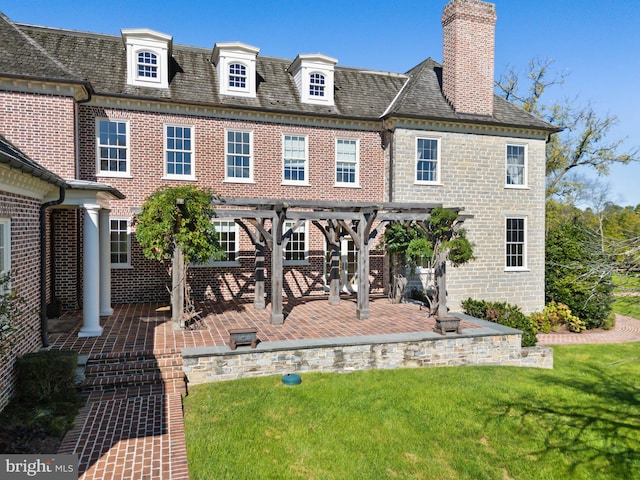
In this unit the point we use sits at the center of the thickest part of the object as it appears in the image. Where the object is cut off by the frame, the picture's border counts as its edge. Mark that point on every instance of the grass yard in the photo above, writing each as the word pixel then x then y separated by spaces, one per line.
pixel 578 421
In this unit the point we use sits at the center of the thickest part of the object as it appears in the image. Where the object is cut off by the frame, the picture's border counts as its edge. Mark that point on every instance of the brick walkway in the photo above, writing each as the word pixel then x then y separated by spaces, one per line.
pixel 132 426
pixel 627 329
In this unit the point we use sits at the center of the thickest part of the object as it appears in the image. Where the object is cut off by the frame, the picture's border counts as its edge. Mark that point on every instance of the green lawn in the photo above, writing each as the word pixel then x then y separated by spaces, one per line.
pixel 580 420
pixel 627 301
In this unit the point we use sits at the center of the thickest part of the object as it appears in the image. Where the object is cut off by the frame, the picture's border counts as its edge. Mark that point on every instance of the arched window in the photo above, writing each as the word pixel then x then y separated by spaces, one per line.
pixel 147 65
pixel 237 75
pixel 316 85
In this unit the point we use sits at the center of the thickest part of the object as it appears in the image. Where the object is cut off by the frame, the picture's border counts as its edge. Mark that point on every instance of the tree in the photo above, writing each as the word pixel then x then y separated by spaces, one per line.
pixel 578 273
pixel 431 243
pixel 584 143
pixel 175 226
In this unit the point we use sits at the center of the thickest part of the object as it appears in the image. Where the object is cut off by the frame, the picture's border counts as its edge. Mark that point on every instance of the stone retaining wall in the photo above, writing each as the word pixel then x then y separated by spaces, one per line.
pixel 210 364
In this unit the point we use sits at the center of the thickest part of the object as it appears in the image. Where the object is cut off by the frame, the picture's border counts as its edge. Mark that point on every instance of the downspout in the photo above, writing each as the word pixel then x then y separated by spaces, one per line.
pixel 43 264
pixel 389 144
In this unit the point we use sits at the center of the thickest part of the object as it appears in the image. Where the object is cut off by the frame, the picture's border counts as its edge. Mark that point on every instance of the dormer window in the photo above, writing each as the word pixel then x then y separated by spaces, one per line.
pixel 147 65
pixel 236 68
pixel 313 75
pixel 148 55
pixel 316 85
pixel 237 76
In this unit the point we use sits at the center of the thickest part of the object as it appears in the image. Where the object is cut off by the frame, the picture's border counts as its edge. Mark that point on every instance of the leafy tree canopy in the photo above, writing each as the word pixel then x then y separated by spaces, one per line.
pixel 165 223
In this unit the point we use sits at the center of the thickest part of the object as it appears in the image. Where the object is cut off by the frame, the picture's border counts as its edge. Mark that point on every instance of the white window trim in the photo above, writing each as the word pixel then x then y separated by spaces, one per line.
pixel 174 176
pixel 304 182
pixel 287 225
pixel 323 85
pixel 247 84
pixel 128 262
pixel 525 185
pixel 438 163
pixel 138 40
pixel 142 78
pixel 226 263
pixel 355 184
pixel 524 267
pixel 107 173
pixel 228 179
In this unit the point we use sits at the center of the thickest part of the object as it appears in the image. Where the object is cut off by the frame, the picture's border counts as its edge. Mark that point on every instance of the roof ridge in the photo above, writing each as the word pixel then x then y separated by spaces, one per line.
pixel 42 50
pixel 411 74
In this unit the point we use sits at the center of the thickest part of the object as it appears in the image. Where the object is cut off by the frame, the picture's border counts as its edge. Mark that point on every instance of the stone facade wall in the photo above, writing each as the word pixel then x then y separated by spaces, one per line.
pixel 23 213
pixel 216 364
pixel 472 176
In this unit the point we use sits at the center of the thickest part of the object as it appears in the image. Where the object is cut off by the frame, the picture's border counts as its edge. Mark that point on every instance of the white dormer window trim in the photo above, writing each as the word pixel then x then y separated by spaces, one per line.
pixel 147 63
pixel 314 78
pixel 235 65
pixel 148 54
pixel 317 85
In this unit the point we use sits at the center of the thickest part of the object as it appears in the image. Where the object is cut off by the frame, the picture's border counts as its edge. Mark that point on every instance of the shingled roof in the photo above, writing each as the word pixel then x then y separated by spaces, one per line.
pixel 359 94
pixel 23 57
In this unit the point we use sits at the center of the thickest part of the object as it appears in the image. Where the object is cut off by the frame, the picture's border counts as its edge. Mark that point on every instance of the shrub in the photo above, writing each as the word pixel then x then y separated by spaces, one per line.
pixel 555 315
pixel 577 273
pixel 609 322
pixel 46 377
pixel 504 314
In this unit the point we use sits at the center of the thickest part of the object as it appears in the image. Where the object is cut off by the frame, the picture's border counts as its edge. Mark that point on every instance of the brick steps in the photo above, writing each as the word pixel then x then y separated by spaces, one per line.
pixel 132 373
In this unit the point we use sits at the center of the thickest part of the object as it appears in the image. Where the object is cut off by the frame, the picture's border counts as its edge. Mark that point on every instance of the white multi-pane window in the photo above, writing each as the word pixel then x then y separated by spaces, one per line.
pixel 427 160
pixel 316 85
pixel 516 174
pixel 237 76
pixel 346 162
pixel 120 239
pixel 112 147
pixel 239 164
pixel 516 245
pixel 295 159
pixel 179 151
pixel 228 239
pixel 147 65
pixel 295 251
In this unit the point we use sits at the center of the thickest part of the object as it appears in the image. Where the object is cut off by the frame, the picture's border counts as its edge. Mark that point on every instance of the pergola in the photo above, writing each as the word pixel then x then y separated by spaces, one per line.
pixel 333 219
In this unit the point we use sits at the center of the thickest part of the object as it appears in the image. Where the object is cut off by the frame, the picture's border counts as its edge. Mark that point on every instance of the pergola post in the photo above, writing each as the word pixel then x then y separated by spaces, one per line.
pixel 277 255
pixel 331 234
pixel 258 301
pixel 362 309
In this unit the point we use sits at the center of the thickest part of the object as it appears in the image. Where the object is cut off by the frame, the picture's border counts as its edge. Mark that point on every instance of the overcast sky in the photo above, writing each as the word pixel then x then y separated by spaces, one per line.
pixel 596 43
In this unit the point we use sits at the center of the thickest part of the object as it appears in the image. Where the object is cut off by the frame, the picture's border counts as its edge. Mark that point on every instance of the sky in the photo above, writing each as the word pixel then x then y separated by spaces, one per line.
pixel 594 43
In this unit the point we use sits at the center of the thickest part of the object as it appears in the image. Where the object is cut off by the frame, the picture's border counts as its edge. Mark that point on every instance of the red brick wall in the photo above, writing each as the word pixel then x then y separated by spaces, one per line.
pixel 66 258
pixel 43 127
pixel 25 267
pixel 468 55
pixel 147 280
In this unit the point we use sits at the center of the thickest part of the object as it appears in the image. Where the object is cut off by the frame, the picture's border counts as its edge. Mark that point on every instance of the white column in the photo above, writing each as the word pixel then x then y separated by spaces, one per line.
pixel 105 264
pixel 91 275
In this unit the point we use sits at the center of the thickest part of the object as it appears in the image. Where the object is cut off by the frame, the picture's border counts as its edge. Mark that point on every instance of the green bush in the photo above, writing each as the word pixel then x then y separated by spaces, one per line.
pixel 609 322
pixel 504 314
pixel 46 377
pixel 577 274
pixel 555 315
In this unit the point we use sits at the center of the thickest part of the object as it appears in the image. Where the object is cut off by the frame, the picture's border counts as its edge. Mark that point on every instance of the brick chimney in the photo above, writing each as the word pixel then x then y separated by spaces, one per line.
pixel 468 51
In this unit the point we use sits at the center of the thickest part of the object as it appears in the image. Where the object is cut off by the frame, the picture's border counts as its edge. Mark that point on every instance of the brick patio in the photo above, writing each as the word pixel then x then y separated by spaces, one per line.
pixel 131 425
